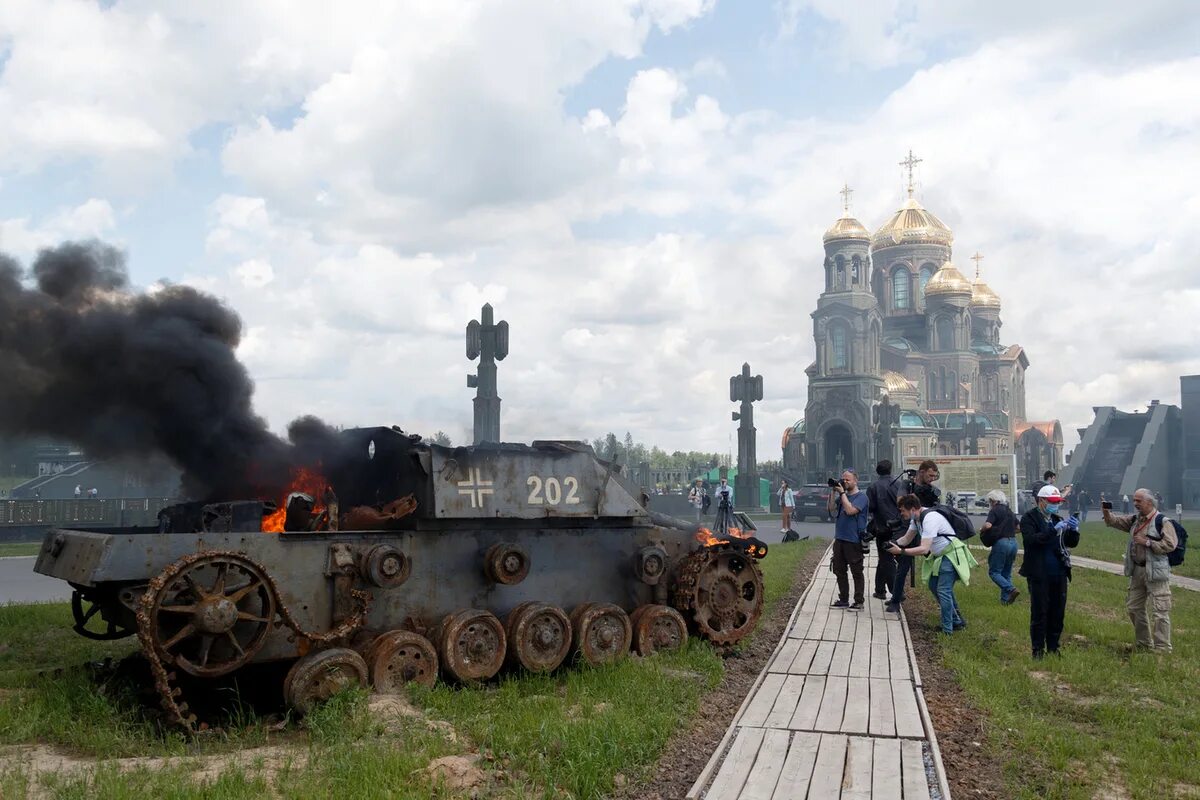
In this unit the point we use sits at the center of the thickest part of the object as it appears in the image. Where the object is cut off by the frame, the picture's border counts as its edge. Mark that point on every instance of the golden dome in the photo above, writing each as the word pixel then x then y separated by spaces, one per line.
pixel 912 224
pixel 846 227
pixel 947 281
pixel 895 383
pixel 982 295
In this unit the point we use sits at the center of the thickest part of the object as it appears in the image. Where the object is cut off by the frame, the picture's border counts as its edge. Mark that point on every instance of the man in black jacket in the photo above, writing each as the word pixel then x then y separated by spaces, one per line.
pixel 922 486
pixel 1047 567
pixel 885 524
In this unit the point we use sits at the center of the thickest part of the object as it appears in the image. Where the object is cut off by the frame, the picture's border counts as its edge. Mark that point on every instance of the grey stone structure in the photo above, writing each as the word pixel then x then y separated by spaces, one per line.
pixel 898 320
pixel 488 342
pixel 1121 452
pixel 746 389
pixel 1189 391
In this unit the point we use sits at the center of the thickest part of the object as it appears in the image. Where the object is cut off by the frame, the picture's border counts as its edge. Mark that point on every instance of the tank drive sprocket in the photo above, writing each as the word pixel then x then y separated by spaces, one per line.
pixel 721 589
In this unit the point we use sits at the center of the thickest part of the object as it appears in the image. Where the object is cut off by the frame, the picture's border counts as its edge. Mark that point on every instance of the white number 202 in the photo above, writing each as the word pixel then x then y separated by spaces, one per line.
pixel 549 492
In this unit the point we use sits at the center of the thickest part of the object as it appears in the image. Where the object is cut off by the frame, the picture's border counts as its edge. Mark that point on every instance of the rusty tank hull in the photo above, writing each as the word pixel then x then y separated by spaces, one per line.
pixel 486 557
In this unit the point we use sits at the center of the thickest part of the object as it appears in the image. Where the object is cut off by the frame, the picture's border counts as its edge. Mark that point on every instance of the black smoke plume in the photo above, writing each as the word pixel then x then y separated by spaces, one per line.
pixel 84 357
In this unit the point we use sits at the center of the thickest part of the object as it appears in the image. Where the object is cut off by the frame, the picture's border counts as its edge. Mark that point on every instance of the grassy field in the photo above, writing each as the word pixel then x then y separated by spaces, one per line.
pixel 19 548
pixel 1099 721
pixel 575 734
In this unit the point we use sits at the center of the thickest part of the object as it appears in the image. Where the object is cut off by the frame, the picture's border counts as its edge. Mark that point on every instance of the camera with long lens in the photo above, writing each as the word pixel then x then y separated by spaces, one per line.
pixel 834 483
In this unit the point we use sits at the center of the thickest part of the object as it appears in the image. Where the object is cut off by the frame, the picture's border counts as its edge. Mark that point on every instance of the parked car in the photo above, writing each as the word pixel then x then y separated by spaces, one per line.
pixel 812 500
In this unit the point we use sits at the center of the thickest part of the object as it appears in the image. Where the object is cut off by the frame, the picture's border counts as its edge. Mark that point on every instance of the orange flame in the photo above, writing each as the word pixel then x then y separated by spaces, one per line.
pixel 303 480
pixel 705 537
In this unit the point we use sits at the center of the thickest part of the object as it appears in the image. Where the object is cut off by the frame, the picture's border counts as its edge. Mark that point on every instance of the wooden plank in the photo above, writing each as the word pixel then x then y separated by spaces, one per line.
pixel 771 754
pixel 885 770
pixel 798 767
pixel 858 705
pixel 820 662
pixel 849 626
pixel 883 715
pixel 879 633
pixel 912 769
pixel 833 625
pixel 856 782
pixel 908 716
pixel 803 661
pixel 785 655
pixel 737 765
pixel 818 621
pixel 827 771
pixel 833 705
pixel 805 718
pixel 898 657
pixel 840 663
pixel 760 706
pixel 879 661
pixel 860 658
pixel 785 703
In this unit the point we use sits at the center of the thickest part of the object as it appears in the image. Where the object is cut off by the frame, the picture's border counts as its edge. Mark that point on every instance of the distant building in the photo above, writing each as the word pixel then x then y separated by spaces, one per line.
pixel 1123 451
pixel 898 320
pixel 1189 386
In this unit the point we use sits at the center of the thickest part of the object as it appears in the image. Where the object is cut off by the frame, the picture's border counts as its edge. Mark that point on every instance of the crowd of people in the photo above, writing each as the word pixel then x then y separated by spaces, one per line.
pixel 904 519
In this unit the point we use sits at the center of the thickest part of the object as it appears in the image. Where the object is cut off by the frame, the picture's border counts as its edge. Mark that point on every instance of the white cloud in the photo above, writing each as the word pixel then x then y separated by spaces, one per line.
pixel 22 237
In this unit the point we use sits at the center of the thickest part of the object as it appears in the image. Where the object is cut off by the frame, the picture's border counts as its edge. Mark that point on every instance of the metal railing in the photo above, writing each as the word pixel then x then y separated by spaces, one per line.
pixel 100 513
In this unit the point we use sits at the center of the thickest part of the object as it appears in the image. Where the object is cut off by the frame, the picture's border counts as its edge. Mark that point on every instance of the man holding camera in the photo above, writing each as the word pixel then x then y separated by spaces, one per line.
pixel 885 524
pixel 921 484
pixel 850 505
pixel 948 560
pixel 1147 568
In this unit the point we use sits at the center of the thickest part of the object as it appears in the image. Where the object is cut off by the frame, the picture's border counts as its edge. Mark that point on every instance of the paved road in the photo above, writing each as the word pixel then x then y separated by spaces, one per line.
pixel 20 584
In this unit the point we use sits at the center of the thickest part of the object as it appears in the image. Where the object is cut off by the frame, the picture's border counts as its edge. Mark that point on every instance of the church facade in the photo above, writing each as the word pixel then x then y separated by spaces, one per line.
pixel 909 357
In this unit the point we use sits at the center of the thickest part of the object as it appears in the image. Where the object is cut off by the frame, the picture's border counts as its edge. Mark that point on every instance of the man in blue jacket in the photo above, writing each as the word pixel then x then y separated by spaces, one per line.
pixel 1047 567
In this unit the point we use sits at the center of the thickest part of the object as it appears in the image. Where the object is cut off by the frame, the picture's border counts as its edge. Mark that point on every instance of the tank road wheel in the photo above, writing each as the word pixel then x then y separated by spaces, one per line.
pixel 471 645
pixel 723 589
pixel 506 563
pixel 657 628
pixel 108 608
pixel 319 676
pixel 401 657
pixel 210 613
pixel 602 632
pixel 539 636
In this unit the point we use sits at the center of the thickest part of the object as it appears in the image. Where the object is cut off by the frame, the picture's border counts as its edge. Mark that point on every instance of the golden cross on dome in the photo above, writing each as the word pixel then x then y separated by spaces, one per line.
pixel 977 258
pixel 845 192
pixel 910 162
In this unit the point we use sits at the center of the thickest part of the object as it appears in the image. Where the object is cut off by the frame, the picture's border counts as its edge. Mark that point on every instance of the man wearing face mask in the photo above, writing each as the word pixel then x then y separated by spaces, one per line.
pixel 1047 567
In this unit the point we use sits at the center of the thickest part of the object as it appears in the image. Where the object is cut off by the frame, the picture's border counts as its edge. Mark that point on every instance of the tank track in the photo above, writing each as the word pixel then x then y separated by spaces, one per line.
pixel 171 697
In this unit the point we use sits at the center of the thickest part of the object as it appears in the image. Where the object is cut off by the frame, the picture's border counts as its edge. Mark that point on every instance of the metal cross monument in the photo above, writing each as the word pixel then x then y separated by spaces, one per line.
pixel 489 343
pixel 746 389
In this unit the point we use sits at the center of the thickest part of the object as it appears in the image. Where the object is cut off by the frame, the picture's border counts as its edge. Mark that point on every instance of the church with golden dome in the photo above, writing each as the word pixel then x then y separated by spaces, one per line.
pixel 909 358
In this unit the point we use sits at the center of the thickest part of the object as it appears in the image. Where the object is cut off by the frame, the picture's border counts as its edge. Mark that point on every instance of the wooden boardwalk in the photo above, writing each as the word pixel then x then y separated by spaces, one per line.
pixel 837 713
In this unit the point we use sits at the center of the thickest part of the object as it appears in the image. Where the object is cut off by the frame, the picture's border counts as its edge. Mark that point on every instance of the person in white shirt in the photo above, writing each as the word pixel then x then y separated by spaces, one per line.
pixel 787 502
pixel 696 498
pixel 936 538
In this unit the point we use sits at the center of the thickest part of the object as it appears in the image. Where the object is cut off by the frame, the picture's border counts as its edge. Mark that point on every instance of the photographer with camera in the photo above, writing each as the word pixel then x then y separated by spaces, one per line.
pixel 948 559
pixel 885 524
pixel 849 527
pixel 920 483
pixel 1148 568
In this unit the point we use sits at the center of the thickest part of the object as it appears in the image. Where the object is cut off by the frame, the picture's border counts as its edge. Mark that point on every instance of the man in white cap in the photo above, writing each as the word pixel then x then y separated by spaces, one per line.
pixel 1047 567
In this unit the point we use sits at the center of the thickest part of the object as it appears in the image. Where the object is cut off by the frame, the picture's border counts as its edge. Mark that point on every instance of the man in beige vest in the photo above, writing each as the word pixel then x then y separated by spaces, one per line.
pixel 1147 568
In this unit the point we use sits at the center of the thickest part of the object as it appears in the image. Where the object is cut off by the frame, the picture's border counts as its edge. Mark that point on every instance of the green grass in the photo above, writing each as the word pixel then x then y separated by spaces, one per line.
pixel 1097 540
pixel 1098 716
pixel 19 548
pixel 567 735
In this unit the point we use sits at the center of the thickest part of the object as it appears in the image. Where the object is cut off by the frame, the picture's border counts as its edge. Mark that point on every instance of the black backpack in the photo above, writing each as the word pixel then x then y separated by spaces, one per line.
pixel 1175 557
pixel 963 527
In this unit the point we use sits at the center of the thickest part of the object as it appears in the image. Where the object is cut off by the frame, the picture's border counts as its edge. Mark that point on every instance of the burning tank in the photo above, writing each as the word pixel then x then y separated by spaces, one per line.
pixel 402 561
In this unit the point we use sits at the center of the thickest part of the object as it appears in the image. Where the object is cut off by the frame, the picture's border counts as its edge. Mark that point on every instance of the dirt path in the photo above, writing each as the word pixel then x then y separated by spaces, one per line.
pixel 973 771
pixel 689 749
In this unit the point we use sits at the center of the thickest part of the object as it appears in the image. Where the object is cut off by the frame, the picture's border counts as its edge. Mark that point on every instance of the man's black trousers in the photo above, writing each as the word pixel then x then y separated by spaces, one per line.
pixel 848 556
pixel 1047 606
pixel 885 570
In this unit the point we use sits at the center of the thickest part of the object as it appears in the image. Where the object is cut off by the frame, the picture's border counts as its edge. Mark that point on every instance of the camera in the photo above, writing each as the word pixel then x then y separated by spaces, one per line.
pixel 1106 505
pixel 833 484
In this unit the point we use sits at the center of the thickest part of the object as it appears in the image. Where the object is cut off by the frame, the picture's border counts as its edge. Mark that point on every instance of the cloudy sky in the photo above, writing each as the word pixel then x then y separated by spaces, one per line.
pixel 638 187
